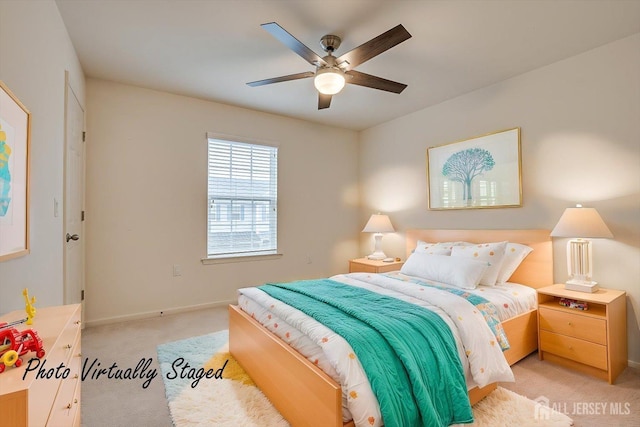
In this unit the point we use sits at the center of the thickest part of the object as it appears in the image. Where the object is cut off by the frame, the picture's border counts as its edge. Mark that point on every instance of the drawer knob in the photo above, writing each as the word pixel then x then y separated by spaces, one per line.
pixel 75 377
pixel 68 346
pixel 69 406
pixel 569 323
pixel 77 322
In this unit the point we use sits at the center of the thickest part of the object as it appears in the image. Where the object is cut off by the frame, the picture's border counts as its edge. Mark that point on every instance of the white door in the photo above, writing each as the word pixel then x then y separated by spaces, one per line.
pixel 73 238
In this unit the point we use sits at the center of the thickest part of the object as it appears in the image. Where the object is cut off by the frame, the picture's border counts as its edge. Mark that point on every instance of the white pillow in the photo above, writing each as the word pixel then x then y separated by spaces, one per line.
pixel 442 248
pixel 460 272
pixel 492 254
pixel 513 256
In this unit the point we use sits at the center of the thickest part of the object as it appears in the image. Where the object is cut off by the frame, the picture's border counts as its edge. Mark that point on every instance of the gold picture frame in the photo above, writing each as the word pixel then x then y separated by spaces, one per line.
pixel 477 173
pixel 15 139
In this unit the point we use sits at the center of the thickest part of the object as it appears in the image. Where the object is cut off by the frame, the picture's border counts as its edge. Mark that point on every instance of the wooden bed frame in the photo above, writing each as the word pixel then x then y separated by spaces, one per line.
pixel 305 395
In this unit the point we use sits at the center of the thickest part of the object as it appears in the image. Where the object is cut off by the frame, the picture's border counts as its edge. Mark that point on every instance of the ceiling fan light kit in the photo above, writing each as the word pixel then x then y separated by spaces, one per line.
pixel 333 73
pixel 329 81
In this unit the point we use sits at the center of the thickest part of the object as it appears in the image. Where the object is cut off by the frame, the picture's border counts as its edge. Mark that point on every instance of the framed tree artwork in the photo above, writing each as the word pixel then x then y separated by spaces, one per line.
pixel 481 172
pixel 14 175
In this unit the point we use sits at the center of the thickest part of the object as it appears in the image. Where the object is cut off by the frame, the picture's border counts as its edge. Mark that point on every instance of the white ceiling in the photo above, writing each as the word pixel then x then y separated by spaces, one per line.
pixel 209 49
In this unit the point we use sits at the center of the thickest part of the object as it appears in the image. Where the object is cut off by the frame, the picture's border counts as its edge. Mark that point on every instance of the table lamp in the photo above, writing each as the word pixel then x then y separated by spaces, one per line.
pixel 586 223
pixel 378 224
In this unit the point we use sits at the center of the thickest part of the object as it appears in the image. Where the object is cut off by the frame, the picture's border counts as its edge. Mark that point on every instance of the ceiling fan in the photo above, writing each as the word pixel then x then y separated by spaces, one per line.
pixel 333 73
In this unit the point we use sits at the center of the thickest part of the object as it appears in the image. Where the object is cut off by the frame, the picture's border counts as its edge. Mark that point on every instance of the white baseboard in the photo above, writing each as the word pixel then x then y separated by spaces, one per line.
pixel 156 313
pixel 634 365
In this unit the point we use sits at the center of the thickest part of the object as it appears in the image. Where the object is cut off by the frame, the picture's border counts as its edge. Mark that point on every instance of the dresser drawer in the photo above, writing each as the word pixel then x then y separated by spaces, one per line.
pixel 573 325
pixel 574 349
pixel 67 402
pixel 63 348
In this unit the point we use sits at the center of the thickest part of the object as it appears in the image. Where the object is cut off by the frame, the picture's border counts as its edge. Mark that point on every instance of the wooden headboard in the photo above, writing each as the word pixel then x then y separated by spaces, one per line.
pixel 537 268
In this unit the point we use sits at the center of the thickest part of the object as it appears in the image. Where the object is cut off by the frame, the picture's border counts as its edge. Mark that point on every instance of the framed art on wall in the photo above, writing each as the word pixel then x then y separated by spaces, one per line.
pixel 15 122
pixel 481 172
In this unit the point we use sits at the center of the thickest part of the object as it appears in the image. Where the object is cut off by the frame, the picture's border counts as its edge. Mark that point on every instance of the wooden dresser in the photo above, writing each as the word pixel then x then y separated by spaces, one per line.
pixel 593 341
pixel 44 401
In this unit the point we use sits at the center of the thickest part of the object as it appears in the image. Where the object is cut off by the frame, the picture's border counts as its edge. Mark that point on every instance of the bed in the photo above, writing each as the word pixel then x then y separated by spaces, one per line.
pixel 305 395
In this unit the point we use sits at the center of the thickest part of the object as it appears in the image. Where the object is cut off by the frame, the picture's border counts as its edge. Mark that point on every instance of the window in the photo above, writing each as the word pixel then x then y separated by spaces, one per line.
pixel 242 193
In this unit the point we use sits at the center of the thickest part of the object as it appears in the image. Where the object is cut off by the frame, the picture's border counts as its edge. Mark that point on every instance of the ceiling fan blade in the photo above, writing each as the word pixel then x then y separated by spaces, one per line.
pixel 282 79
pixel 362 79
pixel 373 47
pixel 324 101
pixel 293 43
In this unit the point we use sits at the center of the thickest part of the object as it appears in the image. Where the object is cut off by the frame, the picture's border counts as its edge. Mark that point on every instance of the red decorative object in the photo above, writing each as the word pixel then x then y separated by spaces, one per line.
pixel 15 343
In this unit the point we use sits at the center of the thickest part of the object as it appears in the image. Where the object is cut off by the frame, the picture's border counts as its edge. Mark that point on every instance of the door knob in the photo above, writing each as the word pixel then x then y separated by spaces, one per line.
pixel 74 237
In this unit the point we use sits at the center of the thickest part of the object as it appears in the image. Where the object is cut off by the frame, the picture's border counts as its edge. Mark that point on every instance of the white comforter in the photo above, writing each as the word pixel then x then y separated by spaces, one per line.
pixel 478 349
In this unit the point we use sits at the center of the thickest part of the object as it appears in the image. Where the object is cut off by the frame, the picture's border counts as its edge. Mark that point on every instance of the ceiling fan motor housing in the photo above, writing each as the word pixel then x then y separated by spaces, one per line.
pixel 330 43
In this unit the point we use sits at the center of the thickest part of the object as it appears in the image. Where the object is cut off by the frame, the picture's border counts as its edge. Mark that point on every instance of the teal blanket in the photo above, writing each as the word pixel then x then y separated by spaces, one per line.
pixel 408 352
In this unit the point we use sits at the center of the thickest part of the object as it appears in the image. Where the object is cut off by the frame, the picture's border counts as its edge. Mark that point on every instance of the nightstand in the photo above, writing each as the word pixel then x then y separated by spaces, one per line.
pixel 592 341
pixel 366 265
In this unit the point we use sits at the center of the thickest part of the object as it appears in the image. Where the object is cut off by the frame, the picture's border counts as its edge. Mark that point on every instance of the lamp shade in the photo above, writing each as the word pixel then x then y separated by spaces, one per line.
pixel 378 224
pixel 581 222
pixel 329 81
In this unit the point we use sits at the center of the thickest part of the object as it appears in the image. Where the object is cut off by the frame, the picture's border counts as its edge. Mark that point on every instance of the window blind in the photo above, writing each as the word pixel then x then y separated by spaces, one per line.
pixel 242 199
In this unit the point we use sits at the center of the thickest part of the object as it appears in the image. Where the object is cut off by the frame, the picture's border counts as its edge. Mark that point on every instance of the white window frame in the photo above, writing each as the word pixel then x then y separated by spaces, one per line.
pixel 223 217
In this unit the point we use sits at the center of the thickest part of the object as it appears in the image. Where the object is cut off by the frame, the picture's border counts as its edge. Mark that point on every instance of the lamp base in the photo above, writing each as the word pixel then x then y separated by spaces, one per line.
pixel 581 286
pixel 378 255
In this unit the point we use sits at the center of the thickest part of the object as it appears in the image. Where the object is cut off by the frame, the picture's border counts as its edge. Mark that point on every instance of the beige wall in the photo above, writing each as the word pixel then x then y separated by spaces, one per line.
pixel 580 143
pixel 146 201
pixel 35 51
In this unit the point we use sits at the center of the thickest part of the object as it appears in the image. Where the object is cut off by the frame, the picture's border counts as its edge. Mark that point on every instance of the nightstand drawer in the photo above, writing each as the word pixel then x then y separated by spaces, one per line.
pixel 362 268
pixel 573 325
pixel 574 349
pixel 364 265
pixel 389 267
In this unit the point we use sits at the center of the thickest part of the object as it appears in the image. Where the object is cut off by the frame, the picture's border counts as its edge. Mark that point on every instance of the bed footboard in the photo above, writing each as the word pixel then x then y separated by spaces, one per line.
pixel 301 391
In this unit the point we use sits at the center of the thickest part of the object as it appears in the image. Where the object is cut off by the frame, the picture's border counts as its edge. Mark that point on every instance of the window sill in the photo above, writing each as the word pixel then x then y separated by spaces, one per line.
pixel 242 258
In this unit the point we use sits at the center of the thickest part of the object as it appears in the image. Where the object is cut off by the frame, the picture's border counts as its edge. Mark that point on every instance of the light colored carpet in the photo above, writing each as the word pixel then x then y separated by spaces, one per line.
pixel 230 398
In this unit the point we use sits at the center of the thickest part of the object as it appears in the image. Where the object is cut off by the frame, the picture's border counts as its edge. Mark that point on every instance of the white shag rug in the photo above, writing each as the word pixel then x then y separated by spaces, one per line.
pixel 506 408
pixel 230 401
pixel 233 400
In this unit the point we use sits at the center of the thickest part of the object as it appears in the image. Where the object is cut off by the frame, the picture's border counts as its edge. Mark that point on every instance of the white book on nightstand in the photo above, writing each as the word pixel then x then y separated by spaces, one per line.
pixel 581 286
